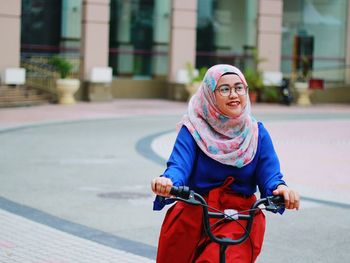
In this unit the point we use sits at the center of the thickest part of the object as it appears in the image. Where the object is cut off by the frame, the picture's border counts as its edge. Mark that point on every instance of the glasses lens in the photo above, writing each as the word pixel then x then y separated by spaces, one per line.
pixel 240 90
pixel 224 90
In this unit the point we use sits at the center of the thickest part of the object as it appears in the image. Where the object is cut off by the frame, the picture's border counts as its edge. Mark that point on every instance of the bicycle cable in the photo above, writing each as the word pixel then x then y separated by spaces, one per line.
pixel 234 219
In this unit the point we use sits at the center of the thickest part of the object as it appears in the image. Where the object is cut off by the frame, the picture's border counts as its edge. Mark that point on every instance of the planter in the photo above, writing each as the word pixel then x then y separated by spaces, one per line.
pixel 303 91
pixel 253 96
pixel 66 89
pixel 192 89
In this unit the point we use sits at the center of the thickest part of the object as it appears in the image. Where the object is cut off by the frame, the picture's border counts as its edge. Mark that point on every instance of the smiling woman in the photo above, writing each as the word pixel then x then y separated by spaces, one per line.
pixel 218 139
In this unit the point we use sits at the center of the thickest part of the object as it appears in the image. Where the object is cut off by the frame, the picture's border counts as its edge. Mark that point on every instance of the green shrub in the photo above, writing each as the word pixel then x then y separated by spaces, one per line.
pixel 192 77
pixel 61 65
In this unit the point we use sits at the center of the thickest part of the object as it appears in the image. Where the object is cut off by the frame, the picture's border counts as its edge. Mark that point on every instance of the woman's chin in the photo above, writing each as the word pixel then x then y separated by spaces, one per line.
pixel 234 112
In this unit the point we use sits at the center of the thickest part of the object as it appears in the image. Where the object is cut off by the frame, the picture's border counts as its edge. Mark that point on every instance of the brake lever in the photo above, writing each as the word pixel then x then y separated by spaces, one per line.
pixel 274 203
pixel 190 199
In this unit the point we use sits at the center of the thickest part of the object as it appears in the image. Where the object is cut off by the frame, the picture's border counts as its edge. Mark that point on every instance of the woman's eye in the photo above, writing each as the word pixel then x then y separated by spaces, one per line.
pixel 240 88
pixel 225 89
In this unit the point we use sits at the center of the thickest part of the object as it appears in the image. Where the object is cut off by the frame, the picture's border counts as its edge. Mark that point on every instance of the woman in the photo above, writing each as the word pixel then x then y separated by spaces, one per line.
pixel 221 152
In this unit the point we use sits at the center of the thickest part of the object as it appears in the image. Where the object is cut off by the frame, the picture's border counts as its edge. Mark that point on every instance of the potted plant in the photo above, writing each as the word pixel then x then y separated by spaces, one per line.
pixel 301 84
pixel 304 73
pixel 66 87
pixel 270 94
pixel 195 78
pixel 255 83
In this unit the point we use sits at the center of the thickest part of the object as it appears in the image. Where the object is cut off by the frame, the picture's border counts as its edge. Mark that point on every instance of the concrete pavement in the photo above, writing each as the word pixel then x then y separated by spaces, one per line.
pixel 80 171
pixel 24 240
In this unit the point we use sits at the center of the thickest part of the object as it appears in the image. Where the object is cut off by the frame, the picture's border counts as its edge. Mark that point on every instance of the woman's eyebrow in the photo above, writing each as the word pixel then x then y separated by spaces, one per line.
pixel 228 84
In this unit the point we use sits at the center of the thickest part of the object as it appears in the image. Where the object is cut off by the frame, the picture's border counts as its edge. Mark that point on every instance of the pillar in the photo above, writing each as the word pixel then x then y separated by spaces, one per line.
pixel 10 32
pixel 95 51
pixel 95 36
pixel 182 48
pixel 269 35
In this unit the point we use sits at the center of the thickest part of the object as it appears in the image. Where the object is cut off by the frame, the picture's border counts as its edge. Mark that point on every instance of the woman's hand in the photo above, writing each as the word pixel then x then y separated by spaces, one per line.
pixel 291 197
pixel 161 186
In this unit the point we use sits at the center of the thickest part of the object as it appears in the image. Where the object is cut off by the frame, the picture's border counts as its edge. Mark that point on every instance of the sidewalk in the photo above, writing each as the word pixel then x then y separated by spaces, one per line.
pixel 91 180
pixel 22 240
pixel 12 117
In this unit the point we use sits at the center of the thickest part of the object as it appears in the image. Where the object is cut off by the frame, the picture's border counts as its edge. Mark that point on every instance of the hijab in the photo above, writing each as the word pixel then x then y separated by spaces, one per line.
pixel 231 141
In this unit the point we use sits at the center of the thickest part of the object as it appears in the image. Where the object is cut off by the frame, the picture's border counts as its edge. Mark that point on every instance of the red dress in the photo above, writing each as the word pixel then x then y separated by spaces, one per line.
pixel 182 238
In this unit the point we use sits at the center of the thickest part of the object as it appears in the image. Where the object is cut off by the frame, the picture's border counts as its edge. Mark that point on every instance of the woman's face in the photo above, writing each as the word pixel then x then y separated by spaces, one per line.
pixel 228 101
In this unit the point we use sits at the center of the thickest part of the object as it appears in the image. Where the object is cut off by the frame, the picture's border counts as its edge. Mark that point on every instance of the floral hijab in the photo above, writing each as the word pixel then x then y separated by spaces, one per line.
pixel 231 141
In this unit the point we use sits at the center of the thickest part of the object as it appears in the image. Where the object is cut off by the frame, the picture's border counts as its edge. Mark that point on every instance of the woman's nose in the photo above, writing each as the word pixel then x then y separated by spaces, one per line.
pixel 233 93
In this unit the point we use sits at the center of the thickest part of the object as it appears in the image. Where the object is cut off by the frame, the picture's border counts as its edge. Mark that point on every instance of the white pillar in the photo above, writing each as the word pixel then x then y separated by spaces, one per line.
pixel 95 36
pixel 269 38
pixel 10 32
pixel 182 36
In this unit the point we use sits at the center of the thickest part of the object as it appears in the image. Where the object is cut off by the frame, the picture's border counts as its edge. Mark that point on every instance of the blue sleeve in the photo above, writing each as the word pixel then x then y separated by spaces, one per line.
pixel 180 163
pixel 268 171
pixel 182 158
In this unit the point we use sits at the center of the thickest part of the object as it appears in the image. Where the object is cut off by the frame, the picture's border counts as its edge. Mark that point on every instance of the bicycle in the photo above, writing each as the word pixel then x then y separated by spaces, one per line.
pixel 184 194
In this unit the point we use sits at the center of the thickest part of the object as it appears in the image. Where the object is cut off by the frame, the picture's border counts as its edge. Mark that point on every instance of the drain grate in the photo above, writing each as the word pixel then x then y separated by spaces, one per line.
pixel 124 195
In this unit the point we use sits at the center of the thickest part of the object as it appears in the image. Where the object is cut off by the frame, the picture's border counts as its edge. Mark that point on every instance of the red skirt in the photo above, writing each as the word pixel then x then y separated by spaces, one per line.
pixel 182 238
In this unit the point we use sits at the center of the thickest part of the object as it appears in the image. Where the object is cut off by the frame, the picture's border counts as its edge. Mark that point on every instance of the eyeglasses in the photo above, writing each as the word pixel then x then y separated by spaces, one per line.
pixel 226 90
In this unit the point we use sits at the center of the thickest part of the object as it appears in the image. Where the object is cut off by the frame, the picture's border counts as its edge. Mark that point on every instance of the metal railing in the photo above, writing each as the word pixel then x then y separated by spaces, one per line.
pixel 41 75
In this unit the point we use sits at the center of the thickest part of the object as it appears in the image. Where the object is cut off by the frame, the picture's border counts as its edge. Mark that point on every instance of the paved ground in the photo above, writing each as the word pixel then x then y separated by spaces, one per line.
pixel 75 181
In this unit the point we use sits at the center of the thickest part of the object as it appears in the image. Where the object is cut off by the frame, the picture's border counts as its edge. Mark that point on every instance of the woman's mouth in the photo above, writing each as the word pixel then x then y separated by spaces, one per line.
pixel 233 103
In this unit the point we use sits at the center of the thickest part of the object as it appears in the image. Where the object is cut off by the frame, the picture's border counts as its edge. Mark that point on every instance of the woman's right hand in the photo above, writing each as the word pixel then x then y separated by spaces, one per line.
pixel 161 186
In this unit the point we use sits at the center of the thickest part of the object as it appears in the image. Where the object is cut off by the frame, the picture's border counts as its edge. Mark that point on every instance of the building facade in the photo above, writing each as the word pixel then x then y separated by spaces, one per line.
pixel 155 39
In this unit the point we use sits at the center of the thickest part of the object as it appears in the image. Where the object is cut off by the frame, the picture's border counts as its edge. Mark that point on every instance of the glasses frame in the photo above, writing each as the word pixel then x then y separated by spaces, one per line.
pixel 233 88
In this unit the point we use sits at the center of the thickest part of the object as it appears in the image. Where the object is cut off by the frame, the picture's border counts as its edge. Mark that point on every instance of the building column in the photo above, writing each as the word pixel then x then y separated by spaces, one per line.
pixel 10 30
pixel 95 36
pixel 182 49
pixel 269 35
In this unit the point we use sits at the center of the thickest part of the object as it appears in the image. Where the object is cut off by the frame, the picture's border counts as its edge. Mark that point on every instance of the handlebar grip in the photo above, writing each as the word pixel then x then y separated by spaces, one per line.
pixel 180 191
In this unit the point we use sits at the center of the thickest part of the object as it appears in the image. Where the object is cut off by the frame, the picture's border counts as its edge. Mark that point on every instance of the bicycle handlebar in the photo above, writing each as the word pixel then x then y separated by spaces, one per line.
pixel 271 203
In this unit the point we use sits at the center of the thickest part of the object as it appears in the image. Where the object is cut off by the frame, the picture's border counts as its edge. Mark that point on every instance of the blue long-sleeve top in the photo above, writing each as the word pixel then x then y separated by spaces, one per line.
pixel 189 165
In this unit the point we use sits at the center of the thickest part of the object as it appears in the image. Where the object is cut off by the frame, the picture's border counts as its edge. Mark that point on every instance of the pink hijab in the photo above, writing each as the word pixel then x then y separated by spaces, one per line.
pixel 231 141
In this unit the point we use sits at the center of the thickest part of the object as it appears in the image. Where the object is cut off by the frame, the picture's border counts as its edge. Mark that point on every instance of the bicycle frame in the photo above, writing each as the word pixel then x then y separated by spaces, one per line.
pixel 183 193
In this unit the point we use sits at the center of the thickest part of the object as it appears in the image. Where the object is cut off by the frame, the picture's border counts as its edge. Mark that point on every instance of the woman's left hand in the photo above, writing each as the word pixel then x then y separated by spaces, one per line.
pixel 291 197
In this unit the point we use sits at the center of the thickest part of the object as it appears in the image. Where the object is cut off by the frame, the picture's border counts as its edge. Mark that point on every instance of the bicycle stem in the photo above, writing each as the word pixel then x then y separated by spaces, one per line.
pixel 224 241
